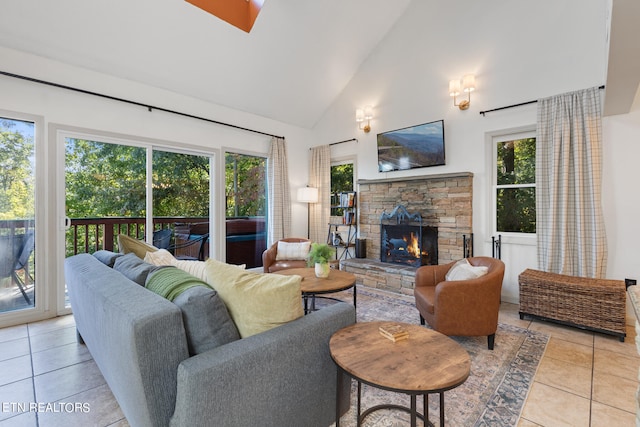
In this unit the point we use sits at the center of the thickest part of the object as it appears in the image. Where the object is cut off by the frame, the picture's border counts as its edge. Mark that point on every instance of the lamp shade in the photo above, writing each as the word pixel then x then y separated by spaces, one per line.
pixel 359 115
pixel 454 87
pixel 469 83
pixel 368 112
pixel 308 195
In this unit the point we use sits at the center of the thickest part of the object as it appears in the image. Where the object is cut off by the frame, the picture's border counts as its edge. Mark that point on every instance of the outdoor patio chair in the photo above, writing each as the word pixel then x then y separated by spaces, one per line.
pixel 14 255
pixel 189 247
pixel 162 238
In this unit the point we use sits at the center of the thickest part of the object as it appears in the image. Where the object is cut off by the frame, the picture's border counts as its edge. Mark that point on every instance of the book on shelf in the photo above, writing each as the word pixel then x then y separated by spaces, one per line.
pixel 348 217
pixel 394 332
pixel 346 200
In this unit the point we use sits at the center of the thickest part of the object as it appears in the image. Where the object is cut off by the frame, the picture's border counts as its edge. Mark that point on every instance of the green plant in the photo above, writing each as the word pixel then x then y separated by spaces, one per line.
pixel 320 253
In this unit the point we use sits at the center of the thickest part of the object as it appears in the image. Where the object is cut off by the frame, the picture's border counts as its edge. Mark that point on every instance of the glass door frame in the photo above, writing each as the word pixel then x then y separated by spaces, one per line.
pixel 59 134
pixel 43 241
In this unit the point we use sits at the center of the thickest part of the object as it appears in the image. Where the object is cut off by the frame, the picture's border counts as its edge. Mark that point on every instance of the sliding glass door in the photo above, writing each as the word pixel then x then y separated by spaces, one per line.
pixel 112 186
pixel 246 205
pixel 17 215
pixel 181 203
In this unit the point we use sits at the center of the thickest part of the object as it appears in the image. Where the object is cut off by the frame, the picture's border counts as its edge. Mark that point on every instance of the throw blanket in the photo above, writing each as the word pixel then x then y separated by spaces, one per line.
pixel 169 282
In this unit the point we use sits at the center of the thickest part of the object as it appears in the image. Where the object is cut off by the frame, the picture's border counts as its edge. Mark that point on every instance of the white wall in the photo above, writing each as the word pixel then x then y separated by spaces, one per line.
pixel 621 196
pixel 519 51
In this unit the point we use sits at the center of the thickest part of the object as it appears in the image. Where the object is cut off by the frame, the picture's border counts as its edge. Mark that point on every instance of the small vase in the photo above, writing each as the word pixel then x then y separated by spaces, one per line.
pixel 322 270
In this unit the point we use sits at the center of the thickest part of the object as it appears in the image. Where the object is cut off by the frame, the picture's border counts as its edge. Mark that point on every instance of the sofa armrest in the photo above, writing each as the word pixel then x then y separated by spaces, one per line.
pixel 136 338
pixel 281 377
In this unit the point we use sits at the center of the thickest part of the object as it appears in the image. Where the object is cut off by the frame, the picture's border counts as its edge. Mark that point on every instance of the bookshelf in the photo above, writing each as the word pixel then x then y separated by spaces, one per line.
pixel 343 226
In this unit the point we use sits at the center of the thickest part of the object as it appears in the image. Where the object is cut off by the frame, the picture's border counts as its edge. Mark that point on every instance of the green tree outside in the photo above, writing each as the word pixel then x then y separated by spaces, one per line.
pixel 516 168
pixel 245 185
pixel 341 181
pixel 17 162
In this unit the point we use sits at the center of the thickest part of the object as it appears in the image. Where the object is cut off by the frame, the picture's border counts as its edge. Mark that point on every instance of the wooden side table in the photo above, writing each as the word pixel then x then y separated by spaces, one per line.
pixel 311 285
pixel 426 362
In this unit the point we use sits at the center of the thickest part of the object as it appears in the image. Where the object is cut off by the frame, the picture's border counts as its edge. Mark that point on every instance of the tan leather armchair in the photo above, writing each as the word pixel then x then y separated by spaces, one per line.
pixel 463 307
pixel 271 264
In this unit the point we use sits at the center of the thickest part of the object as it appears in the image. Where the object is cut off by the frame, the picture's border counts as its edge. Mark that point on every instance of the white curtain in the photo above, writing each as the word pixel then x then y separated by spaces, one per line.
pixel 279 197
pixel 320 177
pixel 570 226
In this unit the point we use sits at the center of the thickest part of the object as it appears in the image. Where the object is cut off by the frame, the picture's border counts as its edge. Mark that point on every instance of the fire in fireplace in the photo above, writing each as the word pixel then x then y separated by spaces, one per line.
pixel 404 240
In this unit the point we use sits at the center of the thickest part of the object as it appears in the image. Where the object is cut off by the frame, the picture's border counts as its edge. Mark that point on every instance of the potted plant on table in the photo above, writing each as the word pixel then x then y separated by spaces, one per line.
pixel 319 256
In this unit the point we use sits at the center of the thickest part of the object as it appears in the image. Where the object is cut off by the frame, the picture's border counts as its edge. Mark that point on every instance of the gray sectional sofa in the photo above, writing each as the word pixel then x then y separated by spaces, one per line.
pixel 281 377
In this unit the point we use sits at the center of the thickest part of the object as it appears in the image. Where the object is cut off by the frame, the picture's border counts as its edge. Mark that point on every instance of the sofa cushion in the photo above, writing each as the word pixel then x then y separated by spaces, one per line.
pixel 134 268
pixel 207 322
pixel 128 244
pixel 108 258
pixel 292 250
pixel 462 270
pixel 256 302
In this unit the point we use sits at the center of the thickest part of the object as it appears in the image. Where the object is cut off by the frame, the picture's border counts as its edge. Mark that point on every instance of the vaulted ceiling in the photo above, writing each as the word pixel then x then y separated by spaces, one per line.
pixel 298 57
pixel 295 61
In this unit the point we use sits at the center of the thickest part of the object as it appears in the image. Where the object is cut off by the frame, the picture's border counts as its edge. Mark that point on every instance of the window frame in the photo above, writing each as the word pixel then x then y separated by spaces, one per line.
pixel 43 242
pixel 57 134
pixel 492 139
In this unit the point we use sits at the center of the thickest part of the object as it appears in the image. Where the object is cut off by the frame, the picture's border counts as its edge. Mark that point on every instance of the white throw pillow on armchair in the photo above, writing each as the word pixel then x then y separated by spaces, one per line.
pixel 462 270
pixel 292 250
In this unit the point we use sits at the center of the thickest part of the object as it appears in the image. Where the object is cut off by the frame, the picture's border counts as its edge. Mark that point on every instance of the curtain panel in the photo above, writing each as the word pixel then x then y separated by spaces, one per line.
pixel 320 177
pixel 279 197
pixel 570 224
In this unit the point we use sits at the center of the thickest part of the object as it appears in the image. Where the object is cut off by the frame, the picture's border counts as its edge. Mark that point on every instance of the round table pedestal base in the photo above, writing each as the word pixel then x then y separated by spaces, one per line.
pixel 412 410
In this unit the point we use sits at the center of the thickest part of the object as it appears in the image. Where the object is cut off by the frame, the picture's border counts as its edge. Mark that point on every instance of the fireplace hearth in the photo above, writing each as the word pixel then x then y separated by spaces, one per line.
pixel 405 240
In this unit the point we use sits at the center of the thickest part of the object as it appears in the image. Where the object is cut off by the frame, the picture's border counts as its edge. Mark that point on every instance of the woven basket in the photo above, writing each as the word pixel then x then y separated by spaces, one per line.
pixel 595 304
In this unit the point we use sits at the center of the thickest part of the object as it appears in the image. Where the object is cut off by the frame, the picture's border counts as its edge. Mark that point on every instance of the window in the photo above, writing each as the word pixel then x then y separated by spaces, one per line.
pixel 515 183
pixel 341 181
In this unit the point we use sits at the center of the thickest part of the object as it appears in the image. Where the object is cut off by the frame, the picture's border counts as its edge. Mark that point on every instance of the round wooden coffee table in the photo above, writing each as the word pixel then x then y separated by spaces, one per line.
pixel 426 362
pixel 311 285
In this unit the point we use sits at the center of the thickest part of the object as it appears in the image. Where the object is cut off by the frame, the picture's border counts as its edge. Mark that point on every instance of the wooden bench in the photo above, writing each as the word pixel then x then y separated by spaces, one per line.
pixel 587 303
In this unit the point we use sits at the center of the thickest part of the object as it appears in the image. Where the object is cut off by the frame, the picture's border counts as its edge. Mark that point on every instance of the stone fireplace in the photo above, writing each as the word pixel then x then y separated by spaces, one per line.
pixel 444 202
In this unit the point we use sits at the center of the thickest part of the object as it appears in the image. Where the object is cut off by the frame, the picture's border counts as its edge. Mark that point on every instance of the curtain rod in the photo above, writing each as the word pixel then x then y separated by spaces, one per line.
pixel 128 101
pixel 346 140
pixel 340 142
pixel 517 105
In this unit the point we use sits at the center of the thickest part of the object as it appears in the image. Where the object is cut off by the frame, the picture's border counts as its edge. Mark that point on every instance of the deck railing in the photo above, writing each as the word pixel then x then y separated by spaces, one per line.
pixel 88 235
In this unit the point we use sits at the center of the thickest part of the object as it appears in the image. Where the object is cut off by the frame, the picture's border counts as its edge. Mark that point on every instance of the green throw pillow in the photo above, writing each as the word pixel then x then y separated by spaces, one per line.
pixel 206 320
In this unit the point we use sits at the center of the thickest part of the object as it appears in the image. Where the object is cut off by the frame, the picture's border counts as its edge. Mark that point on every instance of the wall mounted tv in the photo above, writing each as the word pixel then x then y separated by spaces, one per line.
pixel 412 147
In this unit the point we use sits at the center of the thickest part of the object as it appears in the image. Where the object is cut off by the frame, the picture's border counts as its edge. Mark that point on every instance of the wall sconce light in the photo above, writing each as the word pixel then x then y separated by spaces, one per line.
pixel 468 85
pixel 362 115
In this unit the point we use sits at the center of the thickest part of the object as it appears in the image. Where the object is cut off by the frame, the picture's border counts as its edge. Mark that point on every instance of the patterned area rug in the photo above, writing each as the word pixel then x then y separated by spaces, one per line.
pixel 494 393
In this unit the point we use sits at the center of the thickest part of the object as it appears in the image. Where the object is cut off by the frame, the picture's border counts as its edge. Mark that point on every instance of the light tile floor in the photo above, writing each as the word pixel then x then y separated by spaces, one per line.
pixel 584 379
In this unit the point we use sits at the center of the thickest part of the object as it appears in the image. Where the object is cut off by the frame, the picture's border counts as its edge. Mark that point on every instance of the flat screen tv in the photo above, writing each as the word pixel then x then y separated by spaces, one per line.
pixel 412 147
